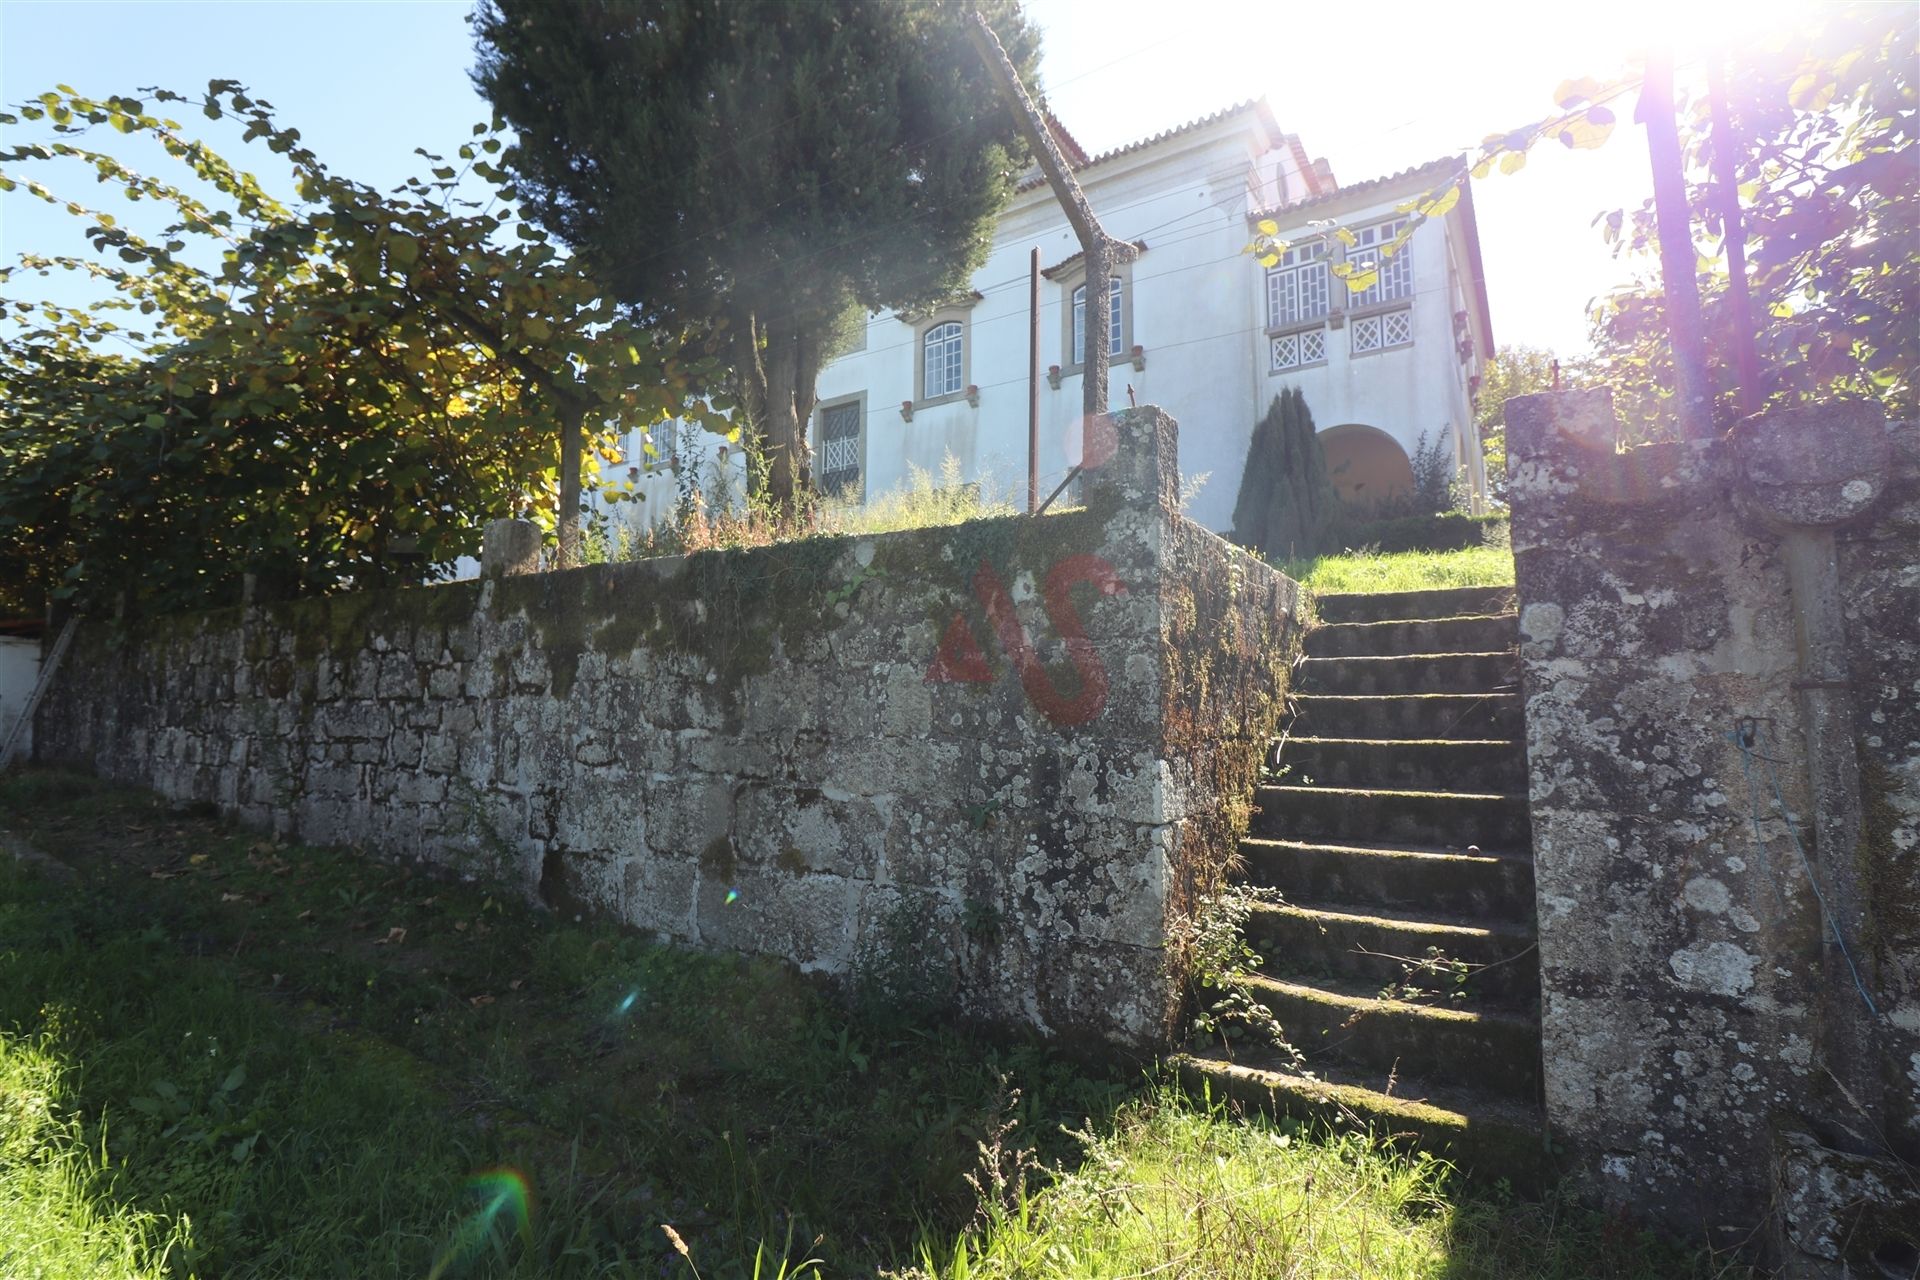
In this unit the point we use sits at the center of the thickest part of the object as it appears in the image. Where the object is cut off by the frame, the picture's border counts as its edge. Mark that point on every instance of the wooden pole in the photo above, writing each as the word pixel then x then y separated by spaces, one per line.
pixel 567 517
pixel 1033 381
pixel 1733 231
pixel 1101 250
pixel 1679 279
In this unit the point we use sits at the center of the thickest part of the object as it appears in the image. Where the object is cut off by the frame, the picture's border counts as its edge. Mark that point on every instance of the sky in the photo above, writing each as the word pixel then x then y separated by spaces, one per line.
pixel 1374 89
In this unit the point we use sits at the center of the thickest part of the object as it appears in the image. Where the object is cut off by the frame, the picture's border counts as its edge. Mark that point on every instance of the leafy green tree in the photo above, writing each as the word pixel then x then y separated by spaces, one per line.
pixel 750 170
pixel 306 392
pixel 1823 133
pixel 1518 369
pixel 1287 506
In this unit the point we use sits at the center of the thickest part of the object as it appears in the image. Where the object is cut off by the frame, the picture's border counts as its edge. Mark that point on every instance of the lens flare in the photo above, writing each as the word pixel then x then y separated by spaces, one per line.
pixel 503 1195
pixel 626 1004
pixel 733 896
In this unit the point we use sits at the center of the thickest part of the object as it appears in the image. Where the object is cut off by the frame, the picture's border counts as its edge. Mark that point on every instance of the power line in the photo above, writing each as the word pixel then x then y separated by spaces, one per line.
pixel 1242 332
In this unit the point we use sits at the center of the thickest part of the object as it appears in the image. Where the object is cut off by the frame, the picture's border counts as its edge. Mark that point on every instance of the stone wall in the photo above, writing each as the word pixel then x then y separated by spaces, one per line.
pixel 1690 615
pixel 997 758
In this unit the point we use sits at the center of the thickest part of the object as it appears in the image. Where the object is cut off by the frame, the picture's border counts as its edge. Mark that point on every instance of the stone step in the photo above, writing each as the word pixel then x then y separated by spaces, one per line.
pixel 1469 633
pixel 1418 764
pixel 1476 886
pixel 1491 1051
pixel 1491 820
pixel 1412 673
pixel 1407 715
pixel 1298 942
pixel 1400 606
pixel 1487 1136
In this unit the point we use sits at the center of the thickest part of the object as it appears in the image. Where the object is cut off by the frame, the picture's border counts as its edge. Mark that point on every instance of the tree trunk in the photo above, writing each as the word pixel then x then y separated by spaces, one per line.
pixel 778 373
pixel 567 518
pixel 781 430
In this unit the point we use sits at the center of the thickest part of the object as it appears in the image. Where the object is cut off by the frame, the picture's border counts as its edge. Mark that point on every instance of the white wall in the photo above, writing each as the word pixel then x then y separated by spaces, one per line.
pixel 19 668
pixel 1198 310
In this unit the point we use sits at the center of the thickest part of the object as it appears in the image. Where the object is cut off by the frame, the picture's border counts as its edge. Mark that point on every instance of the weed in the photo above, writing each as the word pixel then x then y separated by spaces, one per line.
pixel 701 522
pixel 1180 1188
pixel 1219 958
pixel 1447 975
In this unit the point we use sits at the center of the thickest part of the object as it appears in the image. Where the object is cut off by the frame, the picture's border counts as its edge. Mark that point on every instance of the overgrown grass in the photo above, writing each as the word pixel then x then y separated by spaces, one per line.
pixel 287 1061
pixel 224 1057
pixel 1488 566
pixel 1182 1189
pixel 925 501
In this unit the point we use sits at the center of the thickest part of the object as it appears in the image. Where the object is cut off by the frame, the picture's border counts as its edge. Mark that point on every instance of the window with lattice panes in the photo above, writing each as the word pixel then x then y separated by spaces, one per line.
pixel 1366 334
pixel 1378 333
pixel 944 346
pixel 839 458
pixel 1373 248
pixel 1292 350
pixel 1297 286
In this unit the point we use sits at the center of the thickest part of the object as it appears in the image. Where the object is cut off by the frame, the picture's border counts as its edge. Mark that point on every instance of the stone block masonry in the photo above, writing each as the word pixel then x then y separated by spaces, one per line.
pixel 1721 667
pixel 1007 754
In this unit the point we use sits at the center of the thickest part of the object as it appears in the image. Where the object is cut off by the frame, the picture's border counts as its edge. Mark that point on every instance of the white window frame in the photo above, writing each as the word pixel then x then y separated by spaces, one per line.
pixel 1299 290
pixel 1395 282
pixel 950 333
pixel 1375 323
pixel 1073 300
pixel 1116 320
pixel 1297 349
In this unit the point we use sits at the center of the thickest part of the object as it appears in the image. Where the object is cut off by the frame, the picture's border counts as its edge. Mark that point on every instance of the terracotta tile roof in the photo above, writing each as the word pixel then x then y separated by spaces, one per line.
pixel 1435 169
pixel 1070 148
pixel 1255 105
pixel 1072 259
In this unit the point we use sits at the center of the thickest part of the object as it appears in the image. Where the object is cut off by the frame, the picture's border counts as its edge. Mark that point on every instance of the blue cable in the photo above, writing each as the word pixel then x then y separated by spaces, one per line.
pixel 1739 738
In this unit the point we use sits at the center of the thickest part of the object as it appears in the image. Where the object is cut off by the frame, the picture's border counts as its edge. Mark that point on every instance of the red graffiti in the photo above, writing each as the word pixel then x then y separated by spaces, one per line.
pixel 959 660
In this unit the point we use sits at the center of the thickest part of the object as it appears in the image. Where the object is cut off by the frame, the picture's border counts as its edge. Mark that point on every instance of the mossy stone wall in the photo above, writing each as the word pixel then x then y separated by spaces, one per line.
pixel 759 751
pixel 1687 1023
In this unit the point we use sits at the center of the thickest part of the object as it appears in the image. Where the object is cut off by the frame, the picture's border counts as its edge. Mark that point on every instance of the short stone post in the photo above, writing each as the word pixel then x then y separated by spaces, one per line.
pixel 510 548
pixel 1134 455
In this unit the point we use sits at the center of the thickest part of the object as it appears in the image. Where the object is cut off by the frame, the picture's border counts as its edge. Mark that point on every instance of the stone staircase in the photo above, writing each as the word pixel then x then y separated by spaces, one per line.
pixel 1397 834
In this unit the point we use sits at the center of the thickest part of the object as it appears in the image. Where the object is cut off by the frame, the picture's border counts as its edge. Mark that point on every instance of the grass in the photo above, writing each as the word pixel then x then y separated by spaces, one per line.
pixel 395 1033
pixel 225 1057
pixel 1488 566
pixel 925 501
pixel 1178 1188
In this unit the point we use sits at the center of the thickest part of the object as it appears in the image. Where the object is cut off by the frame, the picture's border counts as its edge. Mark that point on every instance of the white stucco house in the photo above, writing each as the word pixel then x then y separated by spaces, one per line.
pixel 1199 327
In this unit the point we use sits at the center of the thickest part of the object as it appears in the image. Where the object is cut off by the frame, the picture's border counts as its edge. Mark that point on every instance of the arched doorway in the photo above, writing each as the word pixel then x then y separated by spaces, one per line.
pixel 1367 466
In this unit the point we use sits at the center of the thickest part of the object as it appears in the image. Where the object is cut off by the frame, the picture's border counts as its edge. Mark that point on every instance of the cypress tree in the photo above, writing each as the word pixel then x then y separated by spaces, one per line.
pixel 1286 505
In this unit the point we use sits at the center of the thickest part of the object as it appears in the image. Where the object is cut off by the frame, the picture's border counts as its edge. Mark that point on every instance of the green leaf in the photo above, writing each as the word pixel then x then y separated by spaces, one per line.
pixel 235 1078
pixel 1571 93
pixel 1813 91
pixel 1443 204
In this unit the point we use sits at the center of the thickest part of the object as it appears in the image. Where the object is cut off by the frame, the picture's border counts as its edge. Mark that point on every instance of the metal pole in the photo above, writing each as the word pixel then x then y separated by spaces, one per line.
pixel 1674 219
pixel 1733 231
pixel 1033 381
